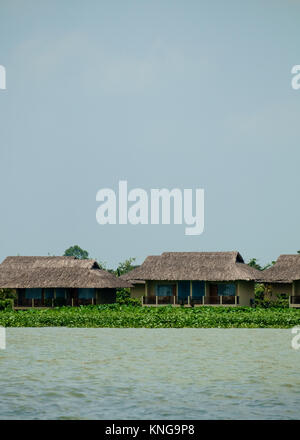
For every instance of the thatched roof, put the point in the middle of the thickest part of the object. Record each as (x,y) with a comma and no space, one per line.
(205,266)
(285,270)
(55,272)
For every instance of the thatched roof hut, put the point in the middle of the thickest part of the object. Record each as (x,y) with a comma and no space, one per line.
(205,266)
(285,270)
(55,272)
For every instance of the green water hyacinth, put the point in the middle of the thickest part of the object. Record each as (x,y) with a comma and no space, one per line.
(123,316)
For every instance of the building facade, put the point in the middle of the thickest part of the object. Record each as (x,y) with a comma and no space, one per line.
(194,278)
(283,278)
(57,281)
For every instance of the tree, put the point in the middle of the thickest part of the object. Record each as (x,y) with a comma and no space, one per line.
(76,251)
(253,263)
(260,289)
(125,267)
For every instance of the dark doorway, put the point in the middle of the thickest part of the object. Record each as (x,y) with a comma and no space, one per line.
(21,297)
(213,294)
(72,294)
(183,291)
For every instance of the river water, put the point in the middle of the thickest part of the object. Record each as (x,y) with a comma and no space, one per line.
(64,373)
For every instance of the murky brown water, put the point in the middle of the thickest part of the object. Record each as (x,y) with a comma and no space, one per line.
(64,373)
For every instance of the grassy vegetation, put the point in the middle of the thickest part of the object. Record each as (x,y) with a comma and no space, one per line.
(151,317)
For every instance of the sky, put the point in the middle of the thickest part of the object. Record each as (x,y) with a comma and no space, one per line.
(163,94)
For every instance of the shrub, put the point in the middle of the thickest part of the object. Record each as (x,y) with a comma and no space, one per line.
(264,299)
(123,298)
(281,302)
(6,304)
(136,302)
(8,294)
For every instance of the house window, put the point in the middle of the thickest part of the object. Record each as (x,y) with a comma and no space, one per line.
(49,293)
(226,290)
(183,289)
(60,293)
(33,293)
(198,289)
(86,293)
(164,289)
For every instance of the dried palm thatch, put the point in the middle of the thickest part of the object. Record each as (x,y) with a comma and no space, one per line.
(55,272)
(205,266)
(285,270)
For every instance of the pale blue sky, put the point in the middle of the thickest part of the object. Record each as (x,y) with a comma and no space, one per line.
(185,94)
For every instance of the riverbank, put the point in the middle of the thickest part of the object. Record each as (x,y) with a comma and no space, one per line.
(116,316)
